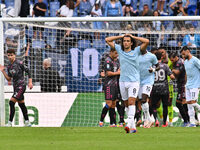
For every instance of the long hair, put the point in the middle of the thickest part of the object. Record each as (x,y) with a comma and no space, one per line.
(133,41)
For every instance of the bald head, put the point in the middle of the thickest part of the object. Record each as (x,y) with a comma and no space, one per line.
(46,63)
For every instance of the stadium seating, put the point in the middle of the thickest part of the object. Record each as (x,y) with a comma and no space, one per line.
(99,44)
(38,44)
(9,3)
(54,6)
(84,44)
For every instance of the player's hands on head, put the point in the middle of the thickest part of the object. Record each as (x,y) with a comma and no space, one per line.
(2,68)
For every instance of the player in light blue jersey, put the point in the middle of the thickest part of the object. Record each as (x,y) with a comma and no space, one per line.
(147,63)
(129,72)
(192,67)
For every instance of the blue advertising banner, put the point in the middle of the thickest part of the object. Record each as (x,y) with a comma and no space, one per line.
(79,68)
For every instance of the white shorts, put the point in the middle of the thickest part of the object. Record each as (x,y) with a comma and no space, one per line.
(129,89)
(192,94)
(144,89)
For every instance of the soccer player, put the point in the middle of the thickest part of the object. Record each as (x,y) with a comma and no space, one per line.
(16,71)
(160,88)
(111,86)
(129,72)
(179,72)
(192,68)
(165,59)
(147,61)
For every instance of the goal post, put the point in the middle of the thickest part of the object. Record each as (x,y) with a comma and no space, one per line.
(74,46)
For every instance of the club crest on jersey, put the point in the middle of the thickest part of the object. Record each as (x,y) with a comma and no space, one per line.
(108,66)
(12,71)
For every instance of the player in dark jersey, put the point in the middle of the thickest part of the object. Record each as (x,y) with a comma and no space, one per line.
(111,86)
(160,88)
(179,72)
(16,71)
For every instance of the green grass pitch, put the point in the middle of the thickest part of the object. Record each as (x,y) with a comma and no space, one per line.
(96,138)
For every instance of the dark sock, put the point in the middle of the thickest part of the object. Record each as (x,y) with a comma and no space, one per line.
(186,112)
(112,114)
(24,110)
(182,111)
(12,110)
(155,114)
(120,110)
(104,112)
(165,112)
(138,114)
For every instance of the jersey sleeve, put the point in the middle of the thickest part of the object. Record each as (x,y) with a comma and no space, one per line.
(197,63)
(137,50)
(25,68)
(168,70)
(9,74)
(154,60)
(118,48)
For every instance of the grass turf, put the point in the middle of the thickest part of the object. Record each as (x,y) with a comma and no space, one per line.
(92,138)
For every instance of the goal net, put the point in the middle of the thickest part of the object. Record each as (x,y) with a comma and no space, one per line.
(75,48)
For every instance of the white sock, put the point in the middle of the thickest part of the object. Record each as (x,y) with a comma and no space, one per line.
(197,106)
(145,108)
(131,115)
(191,113)
(126,110)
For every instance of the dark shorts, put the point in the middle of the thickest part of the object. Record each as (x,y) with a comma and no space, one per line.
(181,93)
(111,93)
(19,92)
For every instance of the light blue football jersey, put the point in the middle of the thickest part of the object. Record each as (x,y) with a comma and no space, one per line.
(129,64)
(146,61)
(192,68)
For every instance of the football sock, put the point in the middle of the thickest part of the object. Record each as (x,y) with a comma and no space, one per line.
(120,110)
(165,112)
(170,113)
(182,111)
(155,114)
(186,112)
(191,113)
(197,106)
(145,108)
(160,112)
(131,115)
(12,110)
(112,115)
(24,110)
(104,112)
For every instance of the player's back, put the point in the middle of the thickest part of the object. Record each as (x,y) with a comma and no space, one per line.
(179,65)
(161,83)
(146,61)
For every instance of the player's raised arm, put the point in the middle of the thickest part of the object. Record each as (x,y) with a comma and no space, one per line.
(110,40)
(145,42)
(2,69)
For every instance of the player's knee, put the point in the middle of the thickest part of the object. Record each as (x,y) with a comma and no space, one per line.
(21,105)
(11,103)
(108,105)
(131,101)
